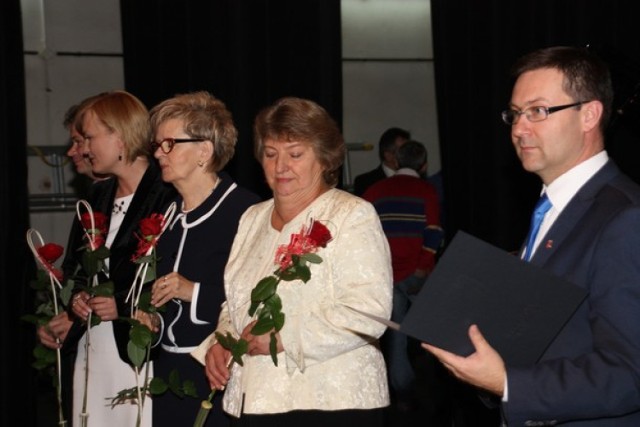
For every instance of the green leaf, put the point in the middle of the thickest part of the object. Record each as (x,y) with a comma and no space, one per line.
(45,309)
(90,263)
(157,386)
(226,341)
(312,258)
(295,272)
(273,304)
(189,388)
(147,259)
(144,303)
(278,320)
(262,326)
(44,353)
(31,318)
(41,282)
(237,347)
(103,289)
(254,306)
(273,348)
(67,292)
(265,288)
(239,350)
(150,275)
(95,320)
(174,383)
(174,378)
(140,335)
(101,253)
(136,354)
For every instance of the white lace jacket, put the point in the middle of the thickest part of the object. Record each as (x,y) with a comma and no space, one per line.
(332,359)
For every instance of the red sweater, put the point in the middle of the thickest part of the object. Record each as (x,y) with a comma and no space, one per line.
(409,211)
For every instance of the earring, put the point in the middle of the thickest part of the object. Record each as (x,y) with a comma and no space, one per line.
(200,163)
(120,157)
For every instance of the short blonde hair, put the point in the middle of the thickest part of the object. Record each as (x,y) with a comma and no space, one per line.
(204,116)
(124,114)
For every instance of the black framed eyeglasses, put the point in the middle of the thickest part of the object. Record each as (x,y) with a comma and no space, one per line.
(166,145)
(535,113)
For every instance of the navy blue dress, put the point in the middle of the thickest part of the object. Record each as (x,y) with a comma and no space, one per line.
(210,229)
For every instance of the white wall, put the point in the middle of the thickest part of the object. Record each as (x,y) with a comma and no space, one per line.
(73,49)
(388,77)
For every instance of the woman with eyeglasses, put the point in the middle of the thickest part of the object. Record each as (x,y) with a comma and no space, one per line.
(194,138)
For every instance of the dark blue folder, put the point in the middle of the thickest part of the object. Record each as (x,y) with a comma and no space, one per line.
(518,306)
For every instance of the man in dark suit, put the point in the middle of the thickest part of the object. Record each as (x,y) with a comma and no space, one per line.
(389,143)
(590,374)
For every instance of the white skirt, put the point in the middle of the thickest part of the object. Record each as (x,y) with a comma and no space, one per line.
(108,375)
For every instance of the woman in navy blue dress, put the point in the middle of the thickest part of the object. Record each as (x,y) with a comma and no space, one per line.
(194,138)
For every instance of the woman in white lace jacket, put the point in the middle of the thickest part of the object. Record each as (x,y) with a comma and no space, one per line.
(330,370)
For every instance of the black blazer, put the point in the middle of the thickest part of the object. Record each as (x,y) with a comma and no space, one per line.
(151,196)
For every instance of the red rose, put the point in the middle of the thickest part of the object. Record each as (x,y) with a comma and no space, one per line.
(99,221)
(99,241)
(50,252)
(319,234)
(57,273)
(85,220)
(151,226)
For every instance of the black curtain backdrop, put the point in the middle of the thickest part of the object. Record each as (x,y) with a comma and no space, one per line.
(18,387)
(475,43)
(248,53)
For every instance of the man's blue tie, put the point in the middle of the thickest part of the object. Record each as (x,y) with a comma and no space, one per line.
(541,209)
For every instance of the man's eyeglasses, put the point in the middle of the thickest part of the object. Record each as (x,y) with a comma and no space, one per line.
(166,145)
(534,113)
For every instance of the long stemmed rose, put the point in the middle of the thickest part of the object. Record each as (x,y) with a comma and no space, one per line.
(94,225)
(46,255)
(292,262)
(140,335)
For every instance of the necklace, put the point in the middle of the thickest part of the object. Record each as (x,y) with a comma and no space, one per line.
(182,208)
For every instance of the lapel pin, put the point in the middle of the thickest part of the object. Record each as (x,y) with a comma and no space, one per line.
(549,244)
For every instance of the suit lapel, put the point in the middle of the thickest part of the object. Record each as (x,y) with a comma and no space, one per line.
(573,213)
(144,196)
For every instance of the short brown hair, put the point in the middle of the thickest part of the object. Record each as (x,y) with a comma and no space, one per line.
(586,76)
(297,119)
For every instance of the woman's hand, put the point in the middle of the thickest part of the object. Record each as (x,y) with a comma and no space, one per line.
(150,320)
(54,333)
(259,344)
(105,307)
(80,305)
(217,363)
(173,285)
